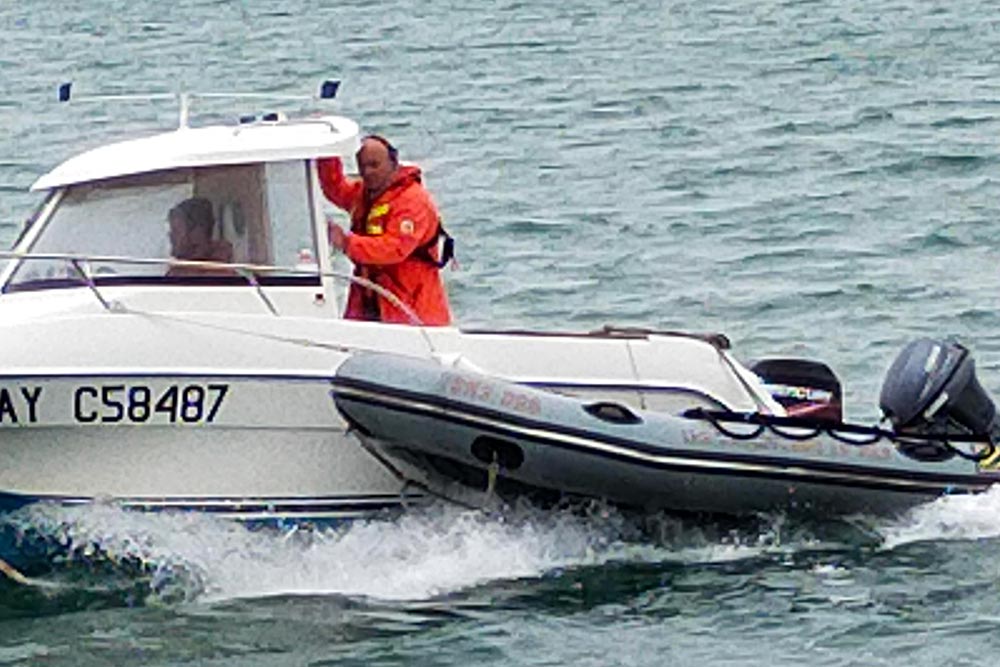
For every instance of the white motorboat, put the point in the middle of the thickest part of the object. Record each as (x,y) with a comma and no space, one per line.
(218,387)
(122,378)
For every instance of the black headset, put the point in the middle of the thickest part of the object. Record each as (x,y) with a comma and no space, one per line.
(393,153)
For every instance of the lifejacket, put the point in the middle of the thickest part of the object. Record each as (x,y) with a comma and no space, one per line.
(430,305)
(447,248)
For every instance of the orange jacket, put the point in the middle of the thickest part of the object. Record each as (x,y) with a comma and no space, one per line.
(385,233)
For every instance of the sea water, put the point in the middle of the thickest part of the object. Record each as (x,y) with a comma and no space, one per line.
(814,179)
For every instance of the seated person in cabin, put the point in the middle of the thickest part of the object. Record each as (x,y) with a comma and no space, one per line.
(192,224)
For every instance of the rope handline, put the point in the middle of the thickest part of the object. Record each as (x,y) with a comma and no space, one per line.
(922,446)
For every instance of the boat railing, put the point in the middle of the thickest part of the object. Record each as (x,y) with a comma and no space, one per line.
(327,91)
(80,265)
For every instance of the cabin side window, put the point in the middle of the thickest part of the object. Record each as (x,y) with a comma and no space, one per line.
(289,207)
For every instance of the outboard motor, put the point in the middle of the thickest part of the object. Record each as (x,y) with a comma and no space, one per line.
(931,389)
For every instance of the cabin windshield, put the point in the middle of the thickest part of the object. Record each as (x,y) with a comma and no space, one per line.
(248,214)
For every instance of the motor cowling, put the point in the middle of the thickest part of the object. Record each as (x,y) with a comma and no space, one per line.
(931,389)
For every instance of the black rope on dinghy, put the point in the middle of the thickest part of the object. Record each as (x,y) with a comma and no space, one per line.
(806,435)
(713,418)
(929,447)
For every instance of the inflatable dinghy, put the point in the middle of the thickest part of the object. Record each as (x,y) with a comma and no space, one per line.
(455,425)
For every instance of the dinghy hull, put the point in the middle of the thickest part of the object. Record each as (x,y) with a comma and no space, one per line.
(451,423)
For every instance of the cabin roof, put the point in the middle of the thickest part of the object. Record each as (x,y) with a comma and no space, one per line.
(260,141)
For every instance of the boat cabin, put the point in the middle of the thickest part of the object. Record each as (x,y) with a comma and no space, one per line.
(106,218)
(102,242)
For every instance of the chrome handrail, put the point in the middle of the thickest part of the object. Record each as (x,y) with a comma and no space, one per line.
(246,270)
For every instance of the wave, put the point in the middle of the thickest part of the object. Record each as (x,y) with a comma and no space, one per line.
(940,162)
(113,557)
(950,518)
(940,238)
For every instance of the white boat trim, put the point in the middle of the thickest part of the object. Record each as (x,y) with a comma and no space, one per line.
(306,139)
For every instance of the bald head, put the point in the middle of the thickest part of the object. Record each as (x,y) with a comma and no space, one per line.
(377,165)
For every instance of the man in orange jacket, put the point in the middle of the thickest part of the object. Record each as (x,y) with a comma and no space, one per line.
(393,239)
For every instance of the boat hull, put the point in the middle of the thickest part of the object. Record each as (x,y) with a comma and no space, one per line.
(250,447)
(216,398)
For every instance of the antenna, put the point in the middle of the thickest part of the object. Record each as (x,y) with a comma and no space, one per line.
(327,91)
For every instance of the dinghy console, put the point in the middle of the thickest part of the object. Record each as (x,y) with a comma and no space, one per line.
(805,388)
(931,389)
